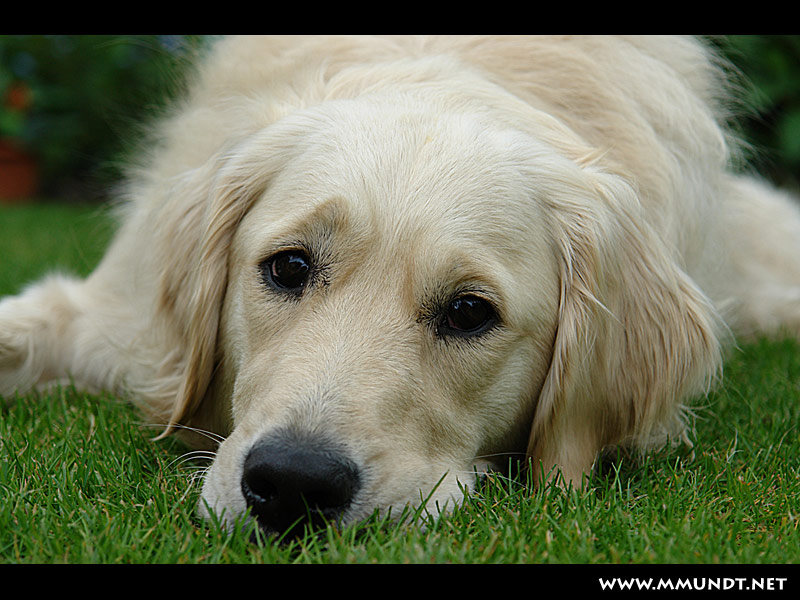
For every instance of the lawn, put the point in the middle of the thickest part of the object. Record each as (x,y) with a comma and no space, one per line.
(82,482)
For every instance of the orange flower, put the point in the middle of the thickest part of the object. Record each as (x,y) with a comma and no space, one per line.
(18,97)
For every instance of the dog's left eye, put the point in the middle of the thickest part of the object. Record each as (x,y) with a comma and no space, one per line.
(287,271)
(467,316)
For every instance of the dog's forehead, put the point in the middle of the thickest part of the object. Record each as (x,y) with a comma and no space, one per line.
(407,171)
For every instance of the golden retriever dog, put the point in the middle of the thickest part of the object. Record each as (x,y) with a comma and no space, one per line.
(375,266)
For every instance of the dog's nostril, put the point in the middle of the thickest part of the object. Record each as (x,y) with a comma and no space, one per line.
(258,490)
(289,481)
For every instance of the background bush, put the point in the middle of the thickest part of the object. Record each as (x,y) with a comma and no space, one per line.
(85,97)
(87,93)
(771,65)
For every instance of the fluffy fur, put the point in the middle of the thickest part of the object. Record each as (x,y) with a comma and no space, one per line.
(582,185)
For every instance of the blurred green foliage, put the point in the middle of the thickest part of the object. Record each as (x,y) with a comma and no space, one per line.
(75,100)
(770,66)
(85,95)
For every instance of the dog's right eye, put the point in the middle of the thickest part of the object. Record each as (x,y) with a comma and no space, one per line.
(467,316)
(287,271)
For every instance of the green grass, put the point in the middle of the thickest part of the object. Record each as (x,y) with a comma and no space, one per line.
(36,239)
(81,481)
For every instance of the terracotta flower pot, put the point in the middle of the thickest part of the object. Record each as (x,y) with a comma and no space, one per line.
(18,174)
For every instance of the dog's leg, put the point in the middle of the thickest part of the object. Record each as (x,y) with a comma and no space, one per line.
(761,286)
(51,332)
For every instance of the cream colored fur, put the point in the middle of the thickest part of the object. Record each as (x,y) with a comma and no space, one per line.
(582,183)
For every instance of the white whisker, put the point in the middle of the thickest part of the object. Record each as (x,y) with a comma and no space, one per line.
(193,455)
(501,455)
(204,432)
(198,475)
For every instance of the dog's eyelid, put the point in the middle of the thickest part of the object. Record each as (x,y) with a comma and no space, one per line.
(483,292)
(289,246)
(478,292)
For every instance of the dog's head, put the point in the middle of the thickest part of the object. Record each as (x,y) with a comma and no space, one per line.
(388,297)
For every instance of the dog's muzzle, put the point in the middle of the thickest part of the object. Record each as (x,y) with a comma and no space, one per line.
(292,480)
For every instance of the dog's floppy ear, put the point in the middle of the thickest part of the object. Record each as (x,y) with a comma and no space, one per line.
(211,200)
(635,335)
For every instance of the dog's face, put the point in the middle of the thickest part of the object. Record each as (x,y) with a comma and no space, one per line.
(392,295)
(388,321)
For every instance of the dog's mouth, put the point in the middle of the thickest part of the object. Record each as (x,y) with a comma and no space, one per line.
(298,484)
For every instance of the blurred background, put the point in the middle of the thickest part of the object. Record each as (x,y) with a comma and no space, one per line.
(71,106)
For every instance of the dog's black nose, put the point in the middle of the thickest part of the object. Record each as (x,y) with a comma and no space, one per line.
(290,480)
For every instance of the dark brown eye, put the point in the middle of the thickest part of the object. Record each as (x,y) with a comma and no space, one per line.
(287,271)
(467,316)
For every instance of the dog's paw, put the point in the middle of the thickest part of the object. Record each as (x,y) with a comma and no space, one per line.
(16,343)
(13,357)
(31,326)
